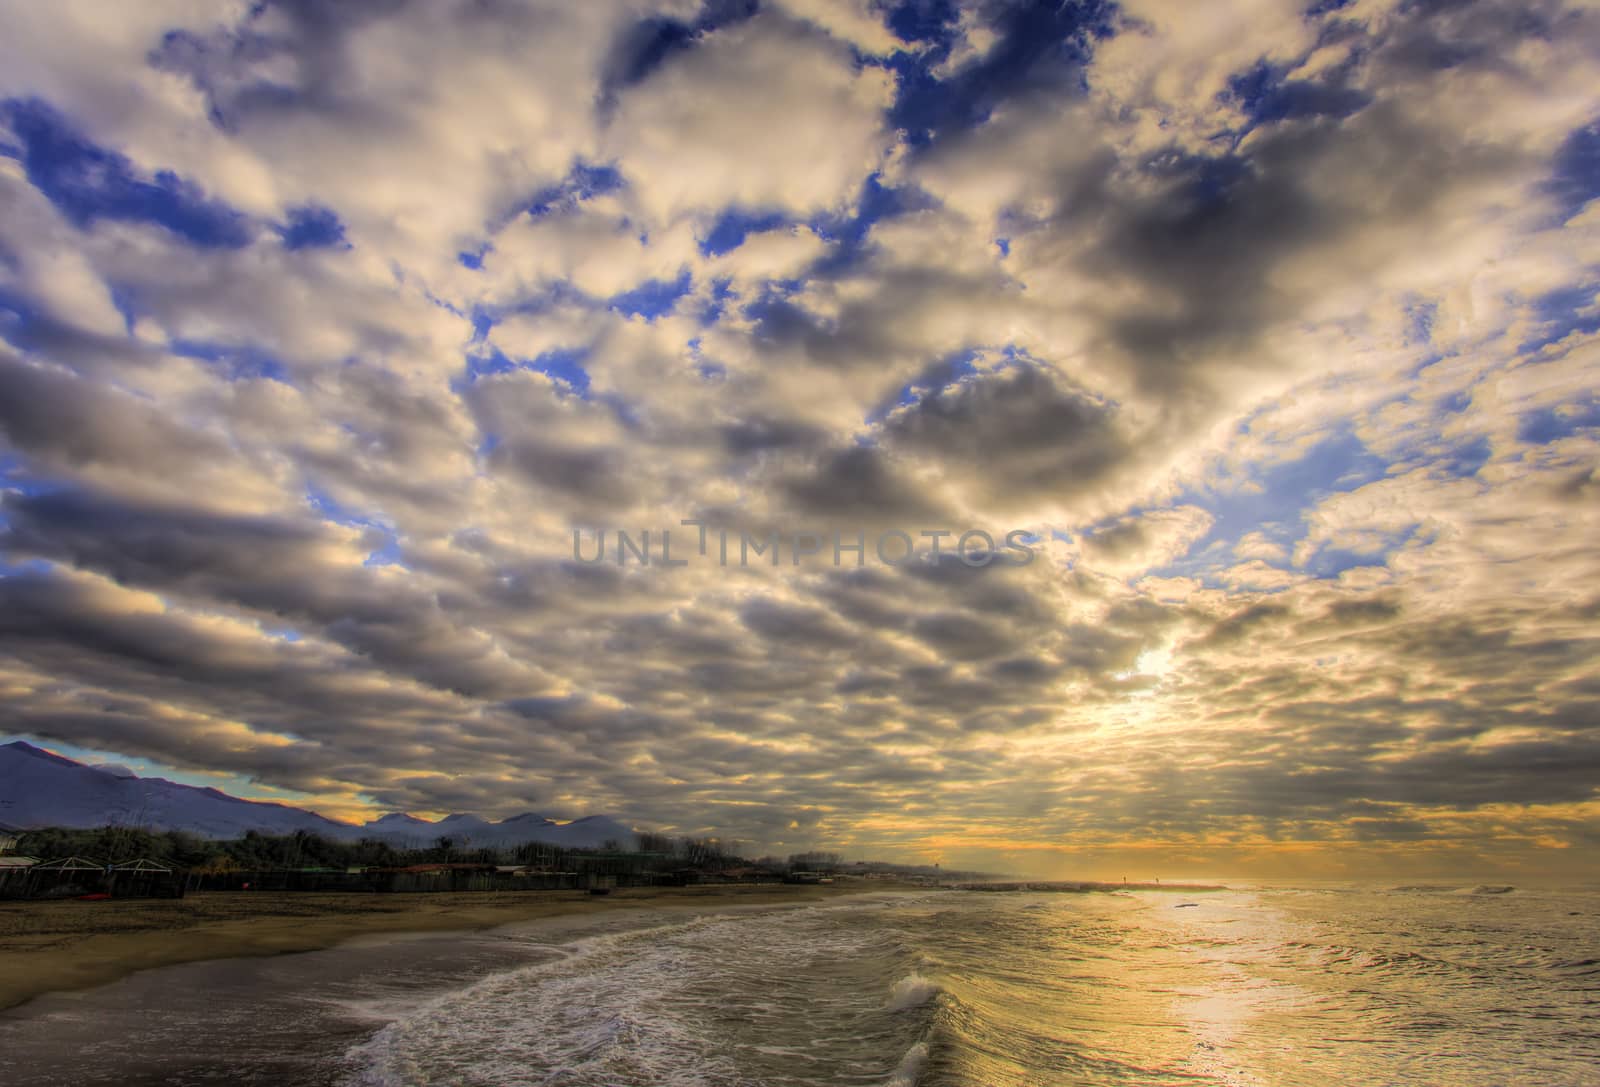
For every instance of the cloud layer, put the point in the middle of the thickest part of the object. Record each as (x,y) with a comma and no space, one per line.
(324,329)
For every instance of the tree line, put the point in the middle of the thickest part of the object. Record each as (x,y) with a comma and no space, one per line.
(302,849)
(255,852)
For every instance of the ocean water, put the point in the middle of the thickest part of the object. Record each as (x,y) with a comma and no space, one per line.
(1280,987)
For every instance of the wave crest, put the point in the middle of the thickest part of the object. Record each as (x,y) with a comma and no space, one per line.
(911,991)
(910,1067)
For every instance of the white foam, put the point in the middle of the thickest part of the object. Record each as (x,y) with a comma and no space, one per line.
(910,1067)
(651,1005)
(910,991)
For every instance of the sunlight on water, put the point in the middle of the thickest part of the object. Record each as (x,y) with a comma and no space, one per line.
(1245,989)
(1267,987)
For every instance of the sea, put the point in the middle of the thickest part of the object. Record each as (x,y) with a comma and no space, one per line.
(1252,986)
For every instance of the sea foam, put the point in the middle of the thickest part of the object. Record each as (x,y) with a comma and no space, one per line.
(910,991)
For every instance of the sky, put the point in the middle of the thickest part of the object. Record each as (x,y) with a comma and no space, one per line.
(1245,352)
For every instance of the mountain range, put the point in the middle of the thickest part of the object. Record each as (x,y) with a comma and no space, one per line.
(39,788)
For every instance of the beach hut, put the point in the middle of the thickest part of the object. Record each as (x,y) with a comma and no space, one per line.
(145,878)
(143,864)
(66,877)
(14,874)
(72,864)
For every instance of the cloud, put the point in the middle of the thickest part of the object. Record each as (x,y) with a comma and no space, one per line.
(852,21)
(1272,330)
(761,115)
(1016,439)
(1138,542)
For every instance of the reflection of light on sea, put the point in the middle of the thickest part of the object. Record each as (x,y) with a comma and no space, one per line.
(1322,986)
(1235,942)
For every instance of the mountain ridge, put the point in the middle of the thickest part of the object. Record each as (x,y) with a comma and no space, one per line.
(39,788)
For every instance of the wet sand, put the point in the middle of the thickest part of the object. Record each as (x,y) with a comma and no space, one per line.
(63,945)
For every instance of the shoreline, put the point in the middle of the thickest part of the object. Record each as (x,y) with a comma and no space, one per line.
(65,945)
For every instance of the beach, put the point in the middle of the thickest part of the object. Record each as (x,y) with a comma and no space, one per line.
(65,945)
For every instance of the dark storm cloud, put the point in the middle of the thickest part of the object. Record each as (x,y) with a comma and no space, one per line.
(1201,236)
(1013,437)
(861,483)
(778,623)
(964,637)
(67,422)
(1243,624)
(594,474)
(273,566)
(758,435)
(315,36)
(1117,540)
(166,545)
(1207,239)
(575,448)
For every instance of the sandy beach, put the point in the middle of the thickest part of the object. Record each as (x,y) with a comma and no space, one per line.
(62,945)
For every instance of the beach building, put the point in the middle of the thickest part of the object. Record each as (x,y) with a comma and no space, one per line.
(63,877)
(86,877)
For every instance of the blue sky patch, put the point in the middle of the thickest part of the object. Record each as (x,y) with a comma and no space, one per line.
(1041,47)
(1553,424)
(237,362)
(733,226)
(1330,562)
(721,294)
(1420,316)
(1265,94)
(313,227)
(847,234)
(1562,312)
(653,298)
(1576,179)
(1463,459)
(583,182)
(564,365)
(652,41)
(20,322)
(88,183)
(387,551)
(16,475)
(925,22)
(1274,507)
(933,380)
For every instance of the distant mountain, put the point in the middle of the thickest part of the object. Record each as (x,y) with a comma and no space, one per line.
(39,788)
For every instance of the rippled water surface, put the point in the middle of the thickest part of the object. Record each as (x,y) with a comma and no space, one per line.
(1294,987)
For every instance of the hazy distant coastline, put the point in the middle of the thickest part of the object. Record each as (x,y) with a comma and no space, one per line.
(1084,886)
